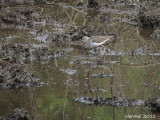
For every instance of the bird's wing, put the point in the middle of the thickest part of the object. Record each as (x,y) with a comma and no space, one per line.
(99,39)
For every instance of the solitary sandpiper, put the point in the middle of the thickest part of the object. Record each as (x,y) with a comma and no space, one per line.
(95,41)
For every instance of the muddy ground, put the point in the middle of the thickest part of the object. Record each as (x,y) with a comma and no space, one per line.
(15,57)
(14,73)
(14,63)
(146,16)
(17,114)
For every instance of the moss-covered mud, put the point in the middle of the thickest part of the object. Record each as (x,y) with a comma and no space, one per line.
(43,58)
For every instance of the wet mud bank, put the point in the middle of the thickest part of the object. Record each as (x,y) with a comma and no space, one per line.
(17,114)
(153,104)
(109,101)
(24,1)
(14,72)
(148,15)
(15,63)
(24,17)
(15,58)
(144,14)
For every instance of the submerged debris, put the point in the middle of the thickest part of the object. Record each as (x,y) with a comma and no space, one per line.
(109,101)
(17,114)
(153,104)
(44,53)
(101,75)
(93,3)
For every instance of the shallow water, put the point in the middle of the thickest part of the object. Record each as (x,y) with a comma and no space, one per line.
(130,69)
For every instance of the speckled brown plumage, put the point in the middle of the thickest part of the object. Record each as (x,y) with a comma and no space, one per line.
(99,39)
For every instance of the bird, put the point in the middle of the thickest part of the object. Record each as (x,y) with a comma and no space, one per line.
(95,41)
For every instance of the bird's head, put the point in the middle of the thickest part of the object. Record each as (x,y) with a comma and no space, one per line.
(112,34)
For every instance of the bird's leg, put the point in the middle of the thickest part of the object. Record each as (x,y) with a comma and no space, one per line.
(96,51)
(104,49)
